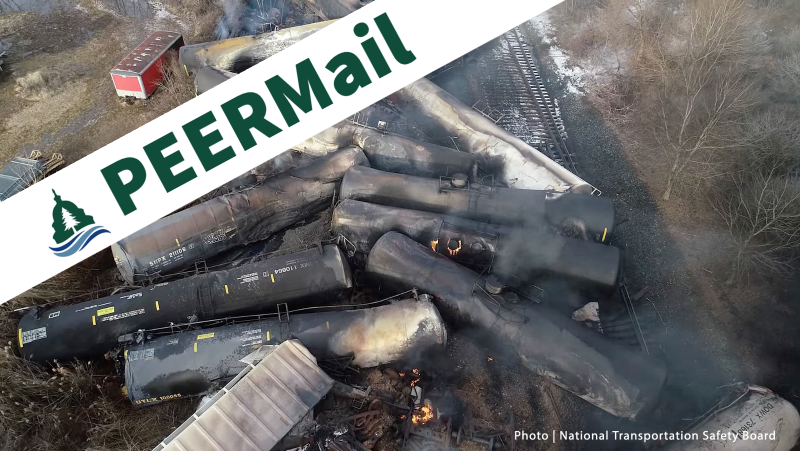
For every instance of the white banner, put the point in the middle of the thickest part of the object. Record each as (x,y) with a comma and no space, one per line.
(73,214)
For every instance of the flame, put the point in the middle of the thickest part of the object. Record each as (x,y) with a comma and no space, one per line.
(403,417)
(455,251)
(416,373)
(489,359)
(424,414)
(402,374)
(434,244)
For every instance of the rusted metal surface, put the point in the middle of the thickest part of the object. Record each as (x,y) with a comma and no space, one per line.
(139,74)
(179,240)
(583,362)
(365,422)
(148,52)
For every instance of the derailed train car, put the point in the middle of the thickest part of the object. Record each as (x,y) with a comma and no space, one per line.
(90,329)
(385,151)
(613,378)
(590,217)
(210,77)
(195,362)
(179,240)
(517,164)
(750,418)
(391,152)
(239,54)
(515,254)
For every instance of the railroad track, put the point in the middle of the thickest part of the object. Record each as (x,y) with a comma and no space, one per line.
(533,96)
(548,135)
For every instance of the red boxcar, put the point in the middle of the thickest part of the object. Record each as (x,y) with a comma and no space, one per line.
(139,73)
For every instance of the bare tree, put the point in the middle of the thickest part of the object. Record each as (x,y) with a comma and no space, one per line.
(763,217)
(702,74)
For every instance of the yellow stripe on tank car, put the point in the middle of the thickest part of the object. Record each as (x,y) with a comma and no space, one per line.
(195,346)
(226,289)
(157,309)
(94,321)
(267,336)
(20,338)
(602,240)
(272,278)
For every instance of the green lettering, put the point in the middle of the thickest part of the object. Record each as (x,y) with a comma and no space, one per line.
(392,39)
(122,191)
(352,68)
(257,120)
(163,164)
(282,93)
(202,143)
(373,52)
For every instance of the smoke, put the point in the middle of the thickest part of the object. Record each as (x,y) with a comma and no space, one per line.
(249,17)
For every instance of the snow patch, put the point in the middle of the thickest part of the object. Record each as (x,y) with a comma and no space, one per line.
(102,7)
(543,27)
(163,15)
(570,75)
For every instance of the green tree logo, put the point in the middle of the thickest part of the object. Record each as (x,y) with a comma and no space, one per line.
(68,219)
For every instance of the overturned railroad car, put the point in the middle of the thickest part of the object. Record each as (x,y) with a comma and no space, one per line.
(385,151)
(750,418)
(613,378)
(586,216)
(518,254)
(92,328)
(239,54)
(177,241)
(516,163)
(391,152)
(210,77)
(195,362)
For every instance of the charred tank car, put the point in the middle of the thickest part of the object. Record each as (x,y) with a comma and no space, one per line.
(614,378)
(241,53)
(194,362)
(514,162)
(586,216)
(177,241)
(759,420)
(90,329)
(513,254)
(391,152)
